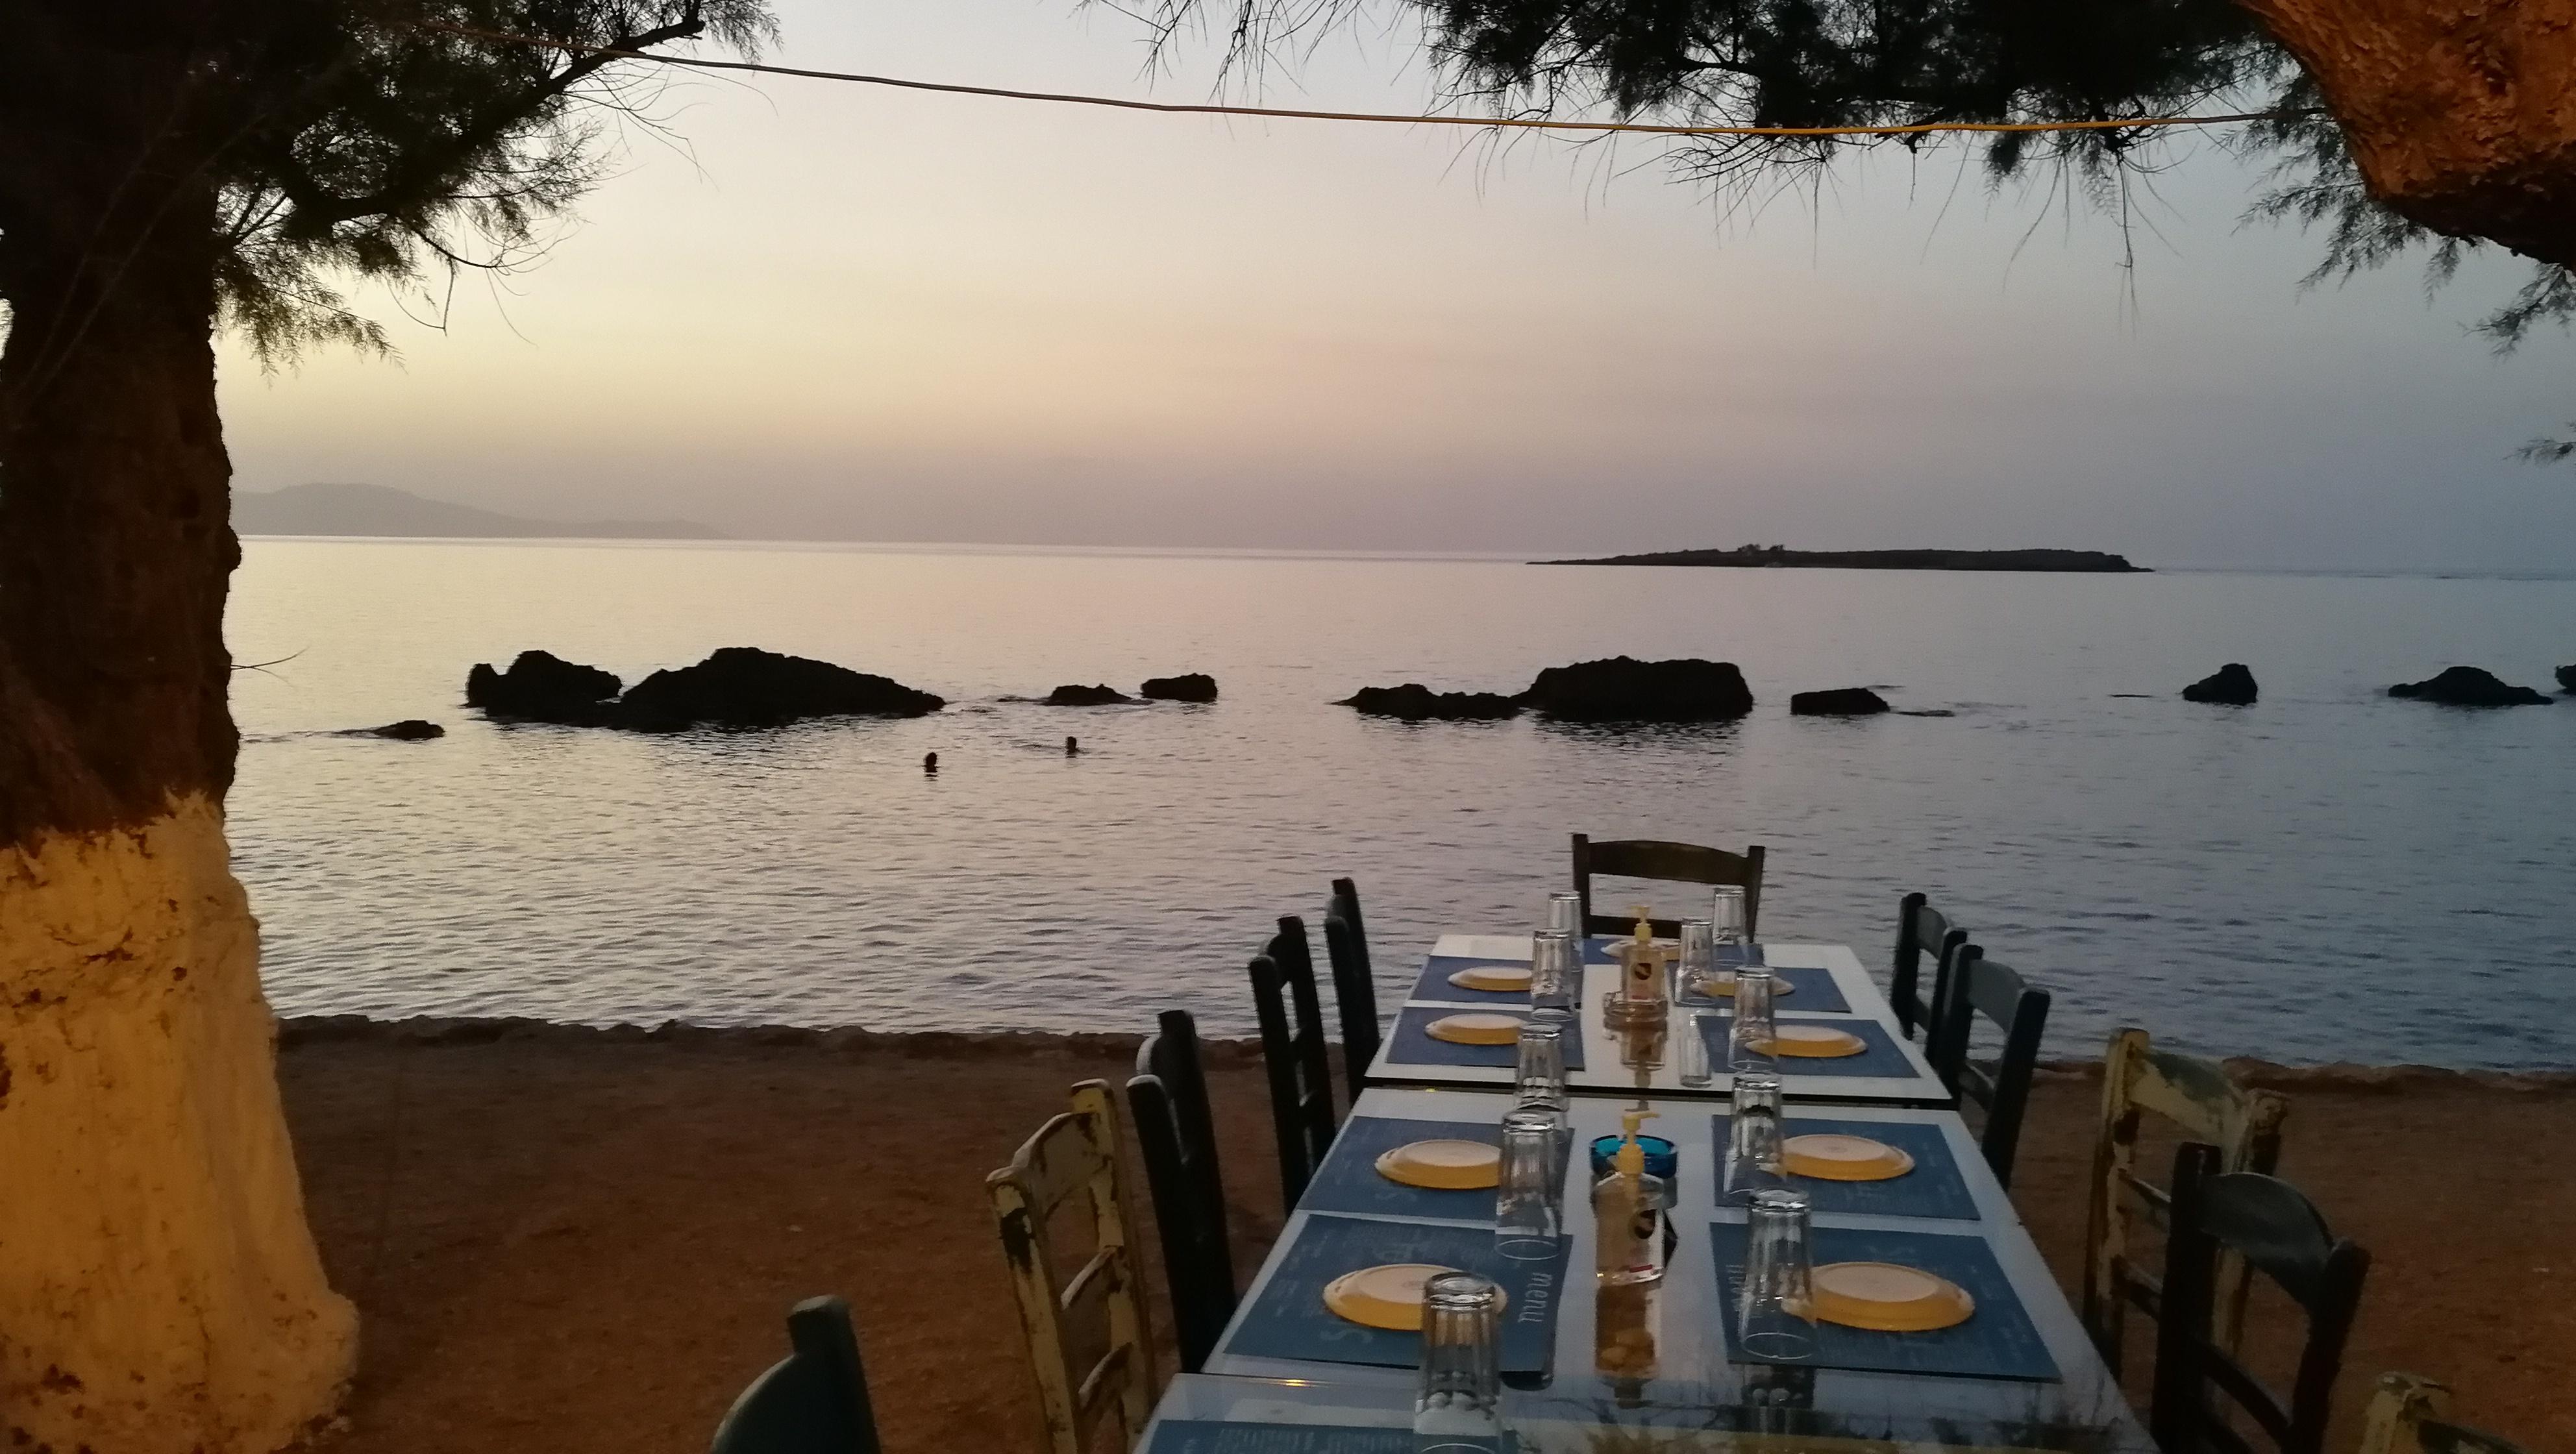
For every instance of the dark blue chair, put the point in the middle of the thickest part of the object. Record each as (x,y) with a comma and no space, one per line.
(1176,1136)
(1354,985)
(814,1401)
(1294,1053)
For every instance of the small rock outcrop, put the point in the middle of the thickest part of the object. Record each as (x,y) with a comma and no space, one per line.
(744,686)
(1195,686)
(410,729)
(1415,702)
(2230,686)
(1080,696)
(2468,686)
(1623,689)
(543,687)
(1839,702)
(2567,680)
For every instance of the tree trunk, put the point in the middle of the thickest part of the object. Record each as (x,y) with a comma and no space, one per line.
(159,1289)
(2461,113)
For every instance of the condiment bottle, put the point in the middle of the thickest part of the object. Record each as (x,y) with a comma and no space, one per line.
(1642,989)
(1628,1213)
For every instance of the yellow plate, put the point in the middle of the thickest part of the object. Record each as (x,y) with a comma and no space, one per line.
(1720,985)
(1887,1298)
(1828,1156)
(1387,1297)
(1443,1165)
(1476,1029)
(1491,977)
(1816,1042)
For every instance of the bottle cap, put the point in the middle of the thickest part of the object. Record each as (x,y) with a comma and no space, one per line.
(1631,1159)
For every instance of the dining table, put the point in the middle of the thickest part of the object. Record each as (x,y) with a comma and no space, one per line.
(1605,1368)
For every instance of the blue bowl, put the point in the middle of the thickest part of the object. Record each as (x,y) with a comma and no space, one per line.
(1662,1157)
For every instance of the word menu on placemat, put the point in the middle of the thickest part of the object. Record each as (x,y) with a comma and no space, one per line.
(1289,1319)
(1934,1188)
(1349,1180)
(1997,1341)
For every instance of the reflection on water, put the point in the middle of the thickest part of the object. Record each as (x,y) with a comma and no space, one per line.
(2326,875)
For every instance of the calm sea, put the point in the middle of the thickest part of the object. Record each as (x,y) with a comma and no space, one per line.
(2329,875)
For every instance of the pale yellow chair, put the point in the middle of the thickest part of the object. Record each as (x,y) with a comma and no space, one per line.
(1087,1339)
(2411,1415)
(2200,1098)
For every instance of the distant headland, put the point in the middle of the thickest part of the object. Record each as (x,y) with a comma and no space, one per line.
(354,509)
(1781,555)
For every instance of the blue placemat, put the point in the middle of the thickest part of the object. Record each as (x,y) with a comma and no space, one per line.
(1934,1188)
(1998,1341)
(1812,991)
(1410,1044)
(1879,1057)
(1289,1319)
(1348,1181)
(1434,983)
(1207,1436)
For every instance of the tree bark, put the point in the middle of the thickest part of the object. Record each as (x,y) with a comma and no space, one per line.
(2461,113)
(159,1288)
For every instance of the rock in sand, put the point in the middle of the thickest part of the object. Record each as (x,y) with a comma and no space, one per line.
(543,687)
(2468,686)
(1623,689)
(1840,702)
(2230,686)
(1415,702)
(1081,696)
(1195,686)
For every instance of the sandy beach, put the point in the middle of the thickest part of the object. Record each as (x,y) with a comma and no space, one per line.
(580,1240)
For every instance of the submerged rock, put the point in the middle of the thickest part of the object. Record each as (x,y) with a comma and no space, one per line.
(1415,702)
(1080,696)
(1623,689)
(543,687)
(1839,702)
(2468,686)
(1195,686)
(743,686)
(410,729)
(2567,680)
(2231,686)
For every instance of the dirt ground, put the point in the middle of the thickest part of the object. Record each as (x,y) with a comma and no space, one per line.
(578,1241)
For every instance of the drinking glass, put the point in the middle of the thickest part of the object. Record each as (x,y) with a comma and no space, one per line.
(1777,1317)
(1529,1207)
(1565,914)
(1754,1159)
(1539,1079)
(1698,957)
(1755,1031)
(1459,1403)
(1726,915)
(1690,1052)
(1556,972)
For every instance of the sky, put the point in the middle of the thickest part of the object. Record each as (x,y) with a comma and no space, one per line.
(822,311)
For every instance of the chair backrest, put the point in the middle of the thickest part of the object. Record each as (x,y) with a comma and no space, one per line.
(1920,929)
(1101,1306)
(2197,1097)
(1686,863)
(813,1401)
(1176,1135)
(2279,1233)
(1354,986)
(2411,1415)
(1293,1051)
(1982,987)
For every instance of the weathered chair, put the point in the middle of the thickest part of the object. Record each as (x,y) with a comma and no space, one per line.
(1920,929)
(1176,1134)
(2198,1097)
(1983,987)
(1099,1312)
(813,1401)
(1294,1053)
(1672,862)
(2279,1234)
(2411,1415)
(1354,986)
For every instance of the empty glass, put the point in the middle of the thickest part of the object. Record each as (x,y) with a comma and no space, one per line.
(1697,959)
(1755,1032)
(1726,916)
(1690,1051)
(1753,1155)
(1529,1200)
(1776,1318)
(1565,914)
(1459,1403)
(1556,972)
(1539,1079)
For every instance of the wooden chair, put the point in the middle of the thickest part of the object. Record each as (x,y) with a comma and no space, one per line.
(1075,1156)
(2411,1415)
(1920,928)
(1673,862)
(1293,1051)
(2280,1235)
(813,1401)
(1354,986)
(1168,1102)
(2197,1096)
(1983,987)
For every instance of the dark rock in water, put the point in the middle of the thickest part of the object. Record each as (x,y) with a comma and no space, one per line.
(1415,702)
(1840,702)
(1196,686)
(2230,686)
(2567,679)
(410,729)
(1623,689)
(1079,696)
(2468,686)
(743,686)
(1926,712)
(543,687)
